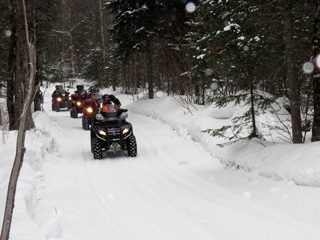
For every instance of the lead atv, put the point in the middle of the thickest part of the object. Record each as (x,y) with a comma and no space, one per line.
(110,131)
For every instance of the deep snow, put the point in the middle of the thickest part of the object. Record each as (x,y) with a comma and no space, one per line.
(180,186)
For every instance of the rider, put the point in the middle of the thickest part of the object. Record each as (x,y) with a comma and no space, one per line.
(59,89)
(109,104)
(80,90)
(95,93)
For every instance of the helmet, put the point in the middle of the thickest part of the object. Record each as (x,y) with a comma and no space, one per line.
(94,88)
(106,99)
(80,87)
(95,95)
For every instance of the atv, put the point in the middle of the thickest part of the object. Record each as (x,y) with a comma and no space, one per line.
(110,131)
(89,108)
(61,100)
(76,104)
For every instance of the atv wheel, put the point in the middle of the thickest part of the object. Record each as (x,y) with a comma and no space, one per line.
(53,107)
(91,140)
(57,107)
(75,112)
(132,146)
(85,123)
(97,148)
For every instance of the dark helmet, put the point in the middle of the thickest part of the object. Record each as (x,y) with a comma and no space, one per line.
(94,88)
(80,87)
(80,90)
(95,95)
(106,99)
(59,88)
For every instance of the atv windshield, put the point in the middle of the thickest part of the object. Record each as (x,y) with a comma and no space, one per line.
(95,95)
(109,110)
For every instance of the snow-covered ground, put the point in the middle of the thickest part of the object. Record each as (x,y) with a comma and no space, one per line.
(181,186)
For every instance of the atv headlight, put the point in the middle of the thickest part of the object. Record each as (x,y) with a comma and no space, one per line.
(124,115)
(90,110)
(126,130)
(59,99)
(103,133)
(78,104)
(99,117)
(70,98)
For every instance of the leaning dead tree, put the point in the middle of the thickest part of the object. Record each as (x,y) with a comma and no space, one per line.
(20,146)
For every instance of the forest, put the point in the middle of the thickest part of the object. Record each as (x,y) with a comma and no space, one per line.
(249,52)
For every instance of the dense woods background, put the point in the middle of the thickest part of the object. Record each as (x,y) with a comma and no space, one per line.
(247,47)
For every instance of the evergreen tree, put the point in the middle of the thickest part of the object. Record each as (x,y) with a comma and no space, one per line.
(93,70)
(245,46)
(140,26)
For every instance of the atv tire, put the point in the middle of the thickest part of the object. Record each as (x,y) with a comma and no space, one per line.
(73,112)
(53,107)
(91,140)
(97,148)
(85,123)
(132,146)
(57,107)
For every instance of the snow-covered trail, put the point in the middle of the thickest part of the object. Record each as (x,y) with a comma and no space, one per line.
(153,196)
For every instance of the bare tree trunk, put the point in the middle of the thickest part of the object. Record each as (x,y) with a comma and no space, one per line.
(20,147)
(63,56)
(316,77)
(136,75)
(68,5)
(12,65)
(73,63)
(292,76)
(253,115)
(149,70)
(104,44)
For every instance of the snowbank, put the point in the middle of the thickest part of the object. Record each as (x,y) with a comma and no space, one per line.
(39,144)
(279,161)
